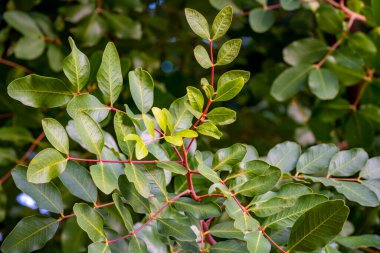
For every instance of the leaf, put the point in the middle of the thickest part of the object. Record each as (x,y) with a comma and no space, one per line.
(303,51)
(77,180)
(72,237)
(22,22)
(141,85)
(89,132)
(329,19)
(316,159)
(229,246)
(56,134)
(199,210)
(232,75)
(175,140)
(208,173)
(226,230)
(246,223)
(359,241)
(371,169)
(38,91)
(161,118)
(132,197)
(149,124)
(7,156)
(290,82)
(123,211)
(257,243)
(315,228)
(195,98)
(221,116)
(123,127)
(29,47)
(137,245)
(375,6)
(348,162)
(30,234)
(180,117)
(47,195)
(284,155)
(225,158)
(172,167)
(370,112)
(261,20)
(323,83)
(170,227)
(89,104)
(228,52)
(229,90)
(99,247)
(363,130)
(16,134)
(373,185)
(202,57)
(90,220)
(76,67)
(222,22)
(110,79)
(45,166)
(290,5)
(198,23)
(55,57)
(287,217)
(358,193)
(138,178)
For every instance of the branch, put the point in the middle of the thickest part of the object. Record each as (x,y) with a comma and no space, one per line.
(6,115)
(15,65)
(63,217)
(116,161)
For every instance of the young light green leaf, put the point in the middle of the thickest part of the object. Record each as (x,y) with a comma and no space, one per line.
(39,91)
(284,155)
(229,90)
(209,129)
(47,196)
(228,51)
(290,81)
(89,104)
(141,85)
(78,182)
(89,132)
(123,211)
(323,83)
(257,243)
(348,162)
(149,124)
(76,67)
(181,117)
(198,23)
(315,228)
(45,166)
(304,51)
(138,178)
(160,117)
(174,139)
(261,20)
(208,89)
(90,220)
(202,57)
(222,22)
(29,47)
(232,75)
(195,98)
(123,127)
(22,22)
(110,79)
(56,134)
(170,227)
(222,116)
(30,234)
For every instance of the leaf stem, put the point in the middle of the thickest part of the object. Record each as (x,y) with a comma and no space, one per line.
(116,161)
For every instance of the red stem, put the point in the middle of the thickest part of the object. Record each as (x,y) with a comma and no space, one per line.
(152,217)
(116,161)
(15,65)
(6,115)
(208,238)
(63,217)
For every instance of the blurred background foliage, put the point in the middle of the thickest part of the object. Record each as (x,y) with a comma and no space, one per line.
(277,36)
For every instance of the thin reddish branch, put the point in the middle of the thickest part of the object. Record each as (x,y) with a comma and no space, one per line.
(330,51)
(297,176)
(116,161)
(208,237)
(52,40)
(15,65)
(6,115)
(151,218)
(63,217)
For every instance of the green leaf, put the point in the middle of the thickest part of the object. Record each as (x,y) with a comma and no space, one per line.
(132,197)
(316,159)
(228,51)
(123,211)
(226,230)
(172,167)
(229,246)
(222,22)
(358,193)
(229,90)
(141,85)
(171,227)
(288,217)
(261,20)
(246,223)
(225,158)
(198,23)
(202,57)
(363,129)
(303,51)
(22,22)
(370,112)
(137,245)
(149,124)
(284,155)
(18,135)
(99,247)
(199,210)
(90,220)
(175,140)
(359,241)
(257,243)
(7,156)
(138,178)
(123,127)
(30,234)
(329,19)
(375,6)
(348,162)
(222,116)
(362,44)
(290,5)
(319,225)
(370,170)
(45,166)
(72,237)
(110,79)
(373,185)
(323,83)
(290,82)
(232,75)
(55,57)
(76,67)
(56,134)
(195,98)
(47,196)
(89,104)
(89,132)
(123,26)
(208,173)
(29,47)
(180,117)
(38,91)
(161,118)
(77,180)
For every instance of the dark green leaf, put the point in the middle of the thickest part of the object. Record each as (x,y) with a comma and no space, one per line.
(323,83)
(261,20)
(170,227)
(90,220)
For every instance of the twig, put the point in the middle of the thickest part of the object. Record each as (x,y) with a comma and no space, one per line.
(15,65)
